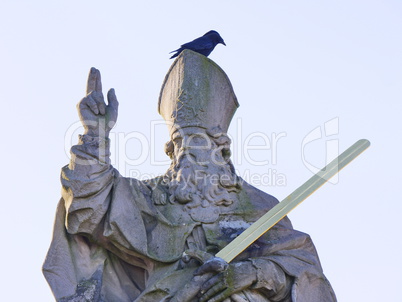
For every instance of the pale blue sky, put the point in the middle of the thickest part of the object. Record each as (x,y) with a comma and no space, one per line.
(294,65)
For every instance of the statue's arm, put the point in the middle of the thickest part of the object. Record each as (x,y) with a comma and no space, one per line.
(281,260)
(257,273)
(88,179)
(286,263)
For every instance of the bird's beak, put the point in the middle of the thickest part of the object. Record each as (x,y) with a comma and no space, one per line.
(223,42)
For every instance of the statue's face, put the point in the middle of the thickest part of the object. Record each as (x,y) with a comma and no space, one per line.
(195,143)
(200,173)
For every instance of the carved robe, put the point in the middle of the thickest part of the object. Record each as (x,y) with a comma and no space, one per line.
(115,241)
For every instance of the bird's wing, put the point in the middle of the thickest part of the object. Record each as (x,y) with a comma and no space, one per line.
(198,44)
(202,44)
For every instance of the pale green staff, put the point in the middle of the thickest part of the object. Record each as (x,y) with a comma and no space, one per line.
(262,225)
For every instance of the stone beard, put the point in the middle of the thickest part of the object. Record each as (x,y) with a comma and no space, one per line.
(201,176)
(201,172)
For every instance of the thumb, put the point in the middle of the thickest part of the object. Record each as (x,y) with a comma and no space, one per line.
(112,99)
(215,265)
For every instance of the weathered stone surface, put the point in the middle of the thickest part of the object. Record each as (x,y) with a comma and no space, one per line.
(197,92)
(120,239)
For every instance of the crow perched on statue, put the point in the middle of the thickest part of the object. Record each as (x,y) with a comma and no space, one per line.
(203,45)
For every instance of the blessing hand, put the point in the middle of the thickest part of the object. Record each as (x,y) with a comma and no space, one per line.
(97,117)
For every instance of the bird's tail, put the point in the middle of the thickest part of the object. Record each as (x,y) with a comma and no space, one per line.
(177,52)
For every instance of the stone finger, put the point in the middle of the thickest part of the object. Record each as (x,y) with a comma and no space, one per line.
(102,108)
(222,296)
(112,99)
(94,80)
(212,292)
(88,102)
(98,98)
(217,279)
(215,265)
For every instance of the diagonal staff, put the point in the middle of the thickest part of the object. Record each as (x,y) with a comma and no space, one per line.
(262,225)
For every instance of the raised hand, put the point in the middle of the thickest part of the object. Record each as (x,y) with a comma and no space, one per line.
(97,117)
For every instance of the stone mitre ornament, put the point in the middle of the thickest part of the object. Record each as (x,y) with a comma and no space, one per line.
(196,92)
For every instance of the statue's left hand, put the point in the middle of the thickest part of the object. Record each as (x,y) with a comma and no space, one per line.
(235,278)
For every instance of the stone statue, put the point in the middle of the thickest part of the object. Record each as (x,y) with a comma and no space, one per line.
(121,239)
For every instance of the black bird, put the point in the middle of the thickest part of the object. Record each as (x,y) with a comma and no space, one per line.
(203,45)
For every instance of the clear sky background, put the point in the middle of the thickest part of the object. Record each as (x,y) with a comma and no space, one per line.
(295,66)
